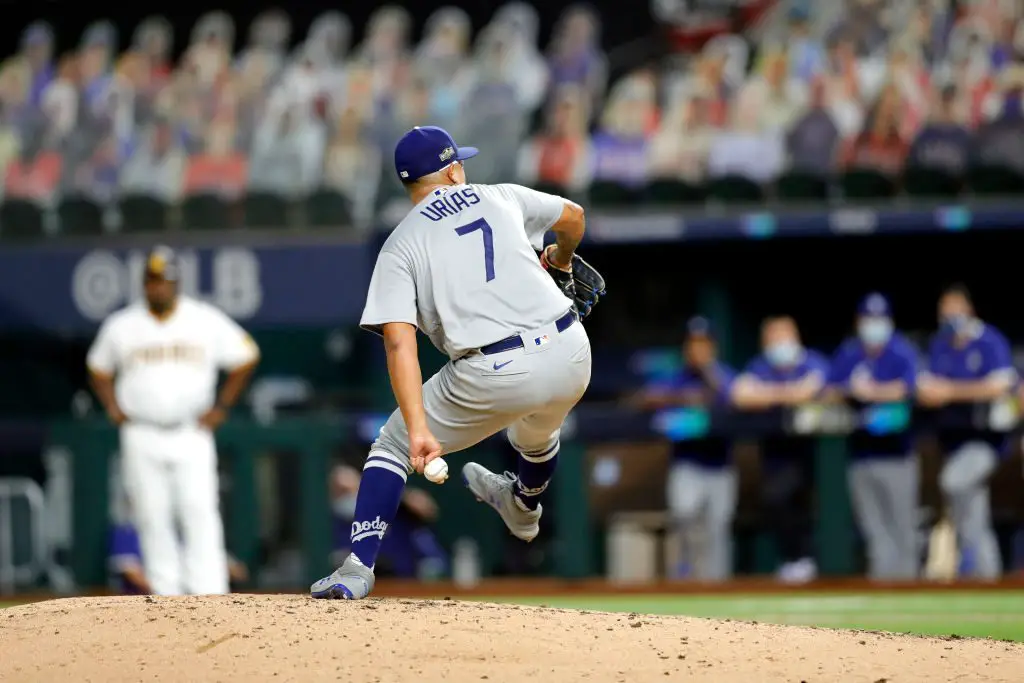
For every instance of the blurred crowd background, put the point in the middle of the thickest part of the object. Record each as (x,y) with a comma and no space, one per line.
(850,98)
(842,113)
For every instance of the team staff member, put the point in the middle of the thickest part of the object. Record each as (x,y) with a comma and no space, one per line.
(154,367)
(879,366)
(701,491)
(969,362)
(785,375)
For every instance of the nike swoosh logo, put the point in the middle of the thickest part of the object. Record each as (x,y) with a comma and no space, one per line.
(499,366)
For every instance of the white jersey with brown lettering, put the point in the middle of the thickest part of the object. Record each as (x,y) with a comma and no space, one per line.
(166,369)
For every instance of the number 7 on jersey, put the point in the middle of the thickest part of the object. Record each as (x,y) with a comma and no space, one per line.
(482,225)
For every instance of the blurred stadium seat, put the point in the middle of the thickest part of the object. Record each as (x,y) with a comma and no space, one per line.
(265,210)
(867,183)
(205,212)
(919,181)
(328,209)
(605,193)
(671,192)
(993,179)
(143,213)
(735,189)
(802,186)
(20,218)
(80,216)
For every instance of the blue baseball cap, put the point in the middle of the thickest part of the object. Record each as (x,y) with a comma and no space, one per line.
(876,305)
(699,326)
(38,33)
(425,150)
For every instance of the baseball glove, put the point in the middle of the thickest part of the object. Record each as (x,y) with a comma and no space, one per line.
(580,281)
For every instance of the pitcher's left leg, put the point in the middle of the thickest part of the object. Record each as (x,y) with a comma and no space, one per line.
(536,464)
(557,380)
(516,497)
(205,565)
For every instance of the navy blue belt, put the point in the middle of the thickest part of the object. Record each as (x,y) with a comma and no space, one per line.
(516,341)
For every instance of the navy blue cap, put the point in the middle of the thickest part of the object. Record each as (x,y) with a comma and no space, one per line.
(38,32)
(699,326)
(876,305)
(425,150)
(162,262)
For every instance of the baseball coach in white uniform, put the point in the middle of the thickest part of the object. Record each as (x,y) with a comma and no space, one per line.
(154,366)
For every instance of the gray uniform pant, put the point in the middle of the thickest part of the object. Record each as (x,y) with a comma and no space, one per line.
(529,390)
(964,482)
(702,502)
(884,497)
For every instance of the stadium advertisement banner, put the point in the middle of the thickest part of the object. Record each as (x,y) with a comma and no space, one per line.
(73,289)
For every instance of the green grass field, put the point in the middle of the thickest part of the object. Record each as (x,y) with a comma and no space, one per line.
(982,614)
(992,614)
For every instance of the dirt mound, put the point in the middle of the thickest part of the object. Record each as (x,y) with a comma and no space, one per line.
(293,638)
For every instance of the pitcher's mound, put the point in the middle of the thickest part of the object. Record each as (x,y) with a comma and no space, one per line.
(278,638)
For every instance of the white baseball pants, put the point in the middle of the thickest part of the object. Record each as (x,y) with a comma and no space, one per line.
(170,477)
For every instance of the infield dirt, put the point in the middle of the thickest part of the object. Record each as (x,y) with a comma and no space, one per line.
(293,638)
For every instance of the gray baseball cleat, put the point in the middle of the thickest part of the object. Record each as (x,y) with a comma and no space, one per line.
(496,491)
(351,581)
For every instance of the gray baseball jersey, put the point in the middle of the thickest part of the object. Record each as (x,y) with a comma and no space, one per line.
(461,267)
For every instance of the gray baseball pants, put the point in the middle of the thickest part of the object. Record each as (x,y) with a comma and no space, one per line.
(884,495)
(702,502)
(528,390)
(964,482)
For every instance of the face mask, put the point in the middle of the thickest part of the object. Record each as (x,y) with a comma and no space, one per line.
(344,507)
(875,331)
(783,354)
(956,324)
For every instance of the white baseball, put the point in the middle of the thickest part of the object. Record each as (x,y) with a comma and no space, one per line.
(436,471)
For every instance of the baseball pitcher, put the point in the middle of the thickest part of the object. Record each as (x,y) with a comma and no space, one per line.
(462,267)
(154,367)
